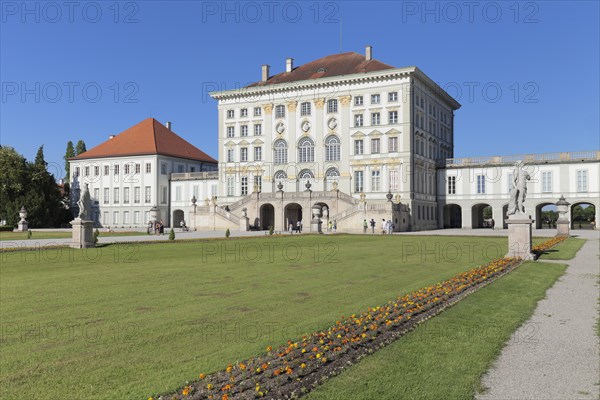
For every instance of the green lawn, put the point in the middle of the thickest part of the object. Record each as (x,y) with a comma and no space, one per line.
(142,319)
(446,357)
(57,235)
(562,251)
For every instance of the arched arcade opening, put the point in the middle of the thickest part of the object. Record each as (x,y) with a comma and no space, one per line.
(452,214)
(583,216)
(481,216)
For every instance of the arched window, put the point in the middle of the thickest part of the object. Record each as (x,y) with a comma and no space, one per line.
(331,175)
(332,106)
(280,175)
(306,150)
(332,148)
(280,149)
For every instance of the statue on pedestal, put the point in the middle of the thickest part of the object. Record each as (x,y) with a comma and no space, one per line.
(518,191)
(85,204)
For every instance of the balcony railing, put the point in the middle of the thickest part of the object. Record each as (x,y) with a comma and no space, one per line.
(182,176)
(528,158)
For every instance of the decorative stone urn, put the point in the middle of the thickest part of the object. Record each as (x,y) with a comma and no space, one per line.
(308,185)
(315,223)
(280,187)
(562,224)
(23,225)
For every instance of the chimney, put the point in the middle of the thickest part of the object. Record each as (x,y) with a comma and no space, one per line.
(369,53)
(111,136)
(265,72)
(169,125)
(289,64)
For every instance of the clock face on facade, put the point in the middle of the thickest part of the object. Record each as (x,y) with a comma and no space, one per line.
(332,123)
(306,126)
(280,128)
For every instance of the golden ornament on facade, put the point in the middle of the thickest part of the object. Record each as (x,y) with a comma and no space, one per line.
(268,108)
(345,100)
(292,106)
(319,103)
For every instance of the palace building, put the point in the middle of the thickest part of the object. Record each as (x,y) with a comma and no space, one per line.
(343,138)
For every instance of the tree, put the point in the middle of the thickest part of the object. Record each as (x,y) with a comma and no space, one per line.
(69,153)
(80,148)
(29,184)
(487,212)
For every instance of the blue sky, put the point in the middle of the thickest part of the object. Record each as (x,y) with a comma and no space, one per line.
(526,73)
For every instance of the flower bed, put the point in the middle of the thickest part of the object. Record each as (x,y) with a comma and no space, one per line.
(548,244)
(294,369)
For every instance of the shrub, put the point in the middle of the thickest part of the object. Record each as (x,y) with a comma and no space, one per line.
(96,234)
(147,230)
(29,233)
(227,233)
(7,228)
(271,230)
(172,234)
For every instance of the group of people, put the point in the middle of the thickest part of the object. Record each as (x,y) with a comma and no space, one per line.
(386,226)
(157,226)
(295,227)
(332,226)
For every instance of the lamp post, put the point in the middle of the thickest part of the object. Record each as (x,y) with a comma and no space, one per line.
(194,204)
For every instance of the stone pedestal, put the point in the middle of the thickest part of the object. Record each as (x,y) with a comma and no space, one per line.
(519,237)
(244,224)
(83,234)
(22,226)
(563,227)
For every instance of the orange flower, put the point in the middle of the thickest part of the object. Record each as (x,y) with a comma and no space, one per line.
(242,366)
(225,397)
(264,366)
(229,368)
(269,348)
(185,391)
(202,376)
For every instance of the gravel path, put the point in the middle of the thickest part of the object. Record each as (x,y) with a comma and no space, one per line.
(556,353)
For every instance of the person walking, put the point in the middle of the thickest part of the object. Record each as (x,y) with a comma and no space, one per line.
(390,227)
(299,226)
(493,223)
(372,225)
(291,228)
(365,226)
(383,226)
(334,226)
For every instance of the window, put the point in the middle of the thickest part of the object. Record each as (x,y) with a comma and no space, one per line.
(393,117)
(375,119)
(375,146)
(280,111)
(358,181)
(96,170)
(244,154)
(196,191)
(480,184)
(180,168)
(375,181)
(126,217)
(163,168)
(257,130)
(358,120)
(582,183)
(106,195)
(136,195)
(106,170)
(136,217)
(375,99)
(244,185)
(164,195)
(358,101)
(230,156)
(332,106)
(244,112)
(86,171)
(257,111)
(332,148)
(192,169)
(392,145)
(258,182)
(177,193)
(148,194)
(230,131)
(331,175)
(127,169)
(116,196)
(244,130)
(452,185)
(230,186)
(115,217)
(358,147)
(305,108)
(126,195)
(392,96)
(230,113)
(97,194)
(394,180)
(105,218)
(148,168)
(306,150)
(116,169)
(146,217)
(138,168)
(547,181)
(280,152)
(258,153)
(280,176)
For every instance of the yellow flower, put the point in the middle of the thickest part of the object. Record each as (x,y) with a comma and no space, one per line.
(209,386)
(318,355)
(302,365)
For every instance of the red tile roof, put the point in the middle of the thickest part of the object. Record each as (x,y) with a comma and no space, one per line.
(147,137)
(333,65)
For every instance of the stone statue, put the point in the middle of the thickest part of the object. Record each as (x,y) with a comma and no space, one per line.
(518,190)
(85,204)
